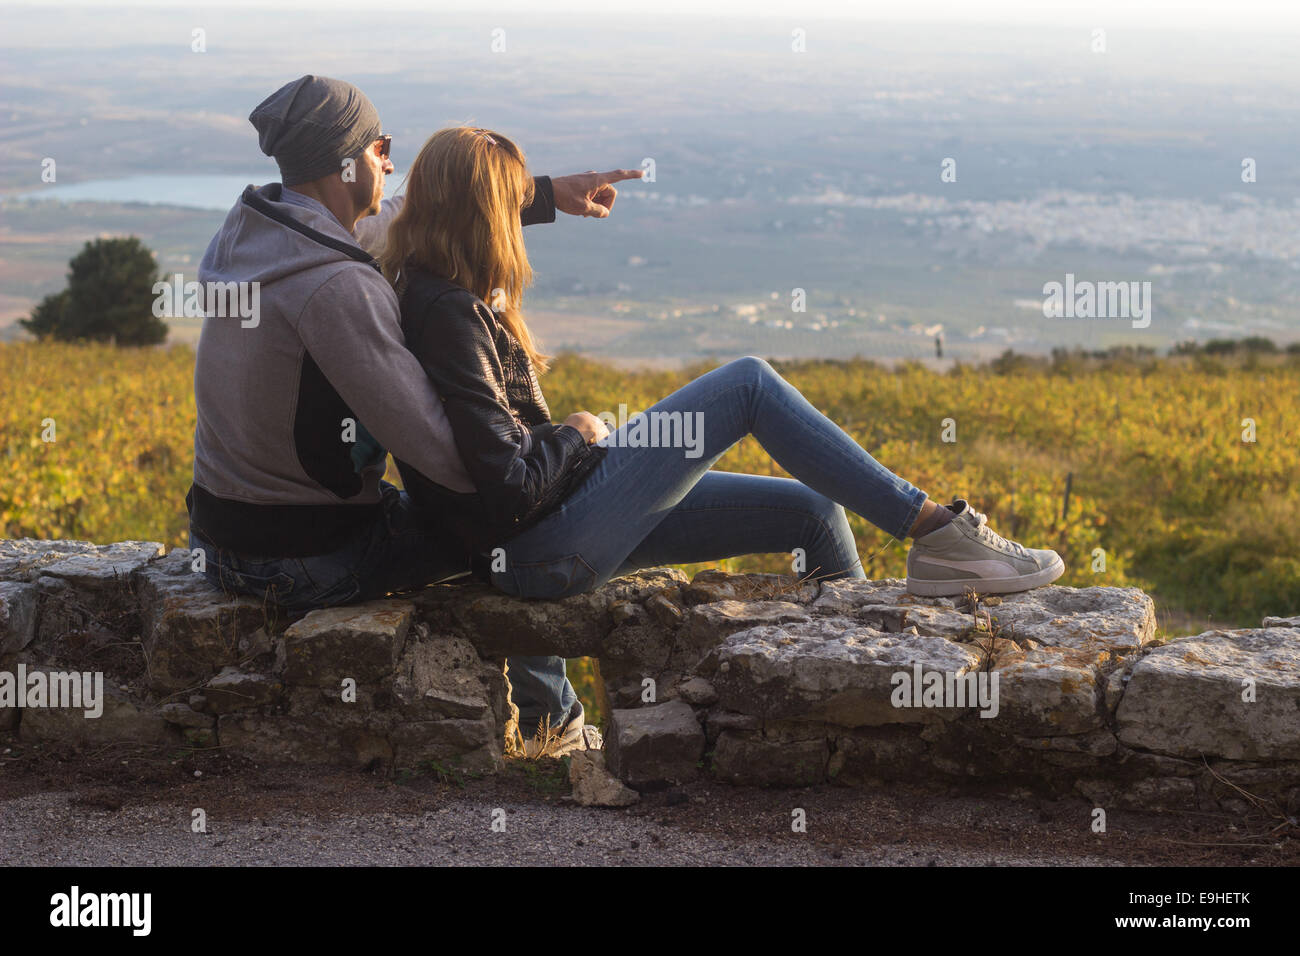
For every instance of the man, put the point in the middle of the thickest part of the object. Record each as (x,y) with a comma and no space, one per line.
(297,405)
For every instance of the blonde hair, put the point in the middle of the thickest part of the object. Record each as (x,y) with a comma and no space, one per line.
(460,221)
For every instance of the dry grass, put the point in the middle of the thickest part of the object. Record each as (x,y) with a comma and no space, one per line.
(541,744)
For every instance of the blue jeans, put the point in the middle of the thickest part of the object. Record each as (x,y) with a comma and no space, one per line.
(396,554)
(648,506)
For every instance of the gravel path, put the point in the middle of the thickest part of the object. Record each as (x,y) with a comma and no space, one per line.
(45,829)
(138,811)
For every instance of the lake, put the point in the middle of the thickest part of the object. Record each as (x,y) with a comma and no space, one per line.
(197,191)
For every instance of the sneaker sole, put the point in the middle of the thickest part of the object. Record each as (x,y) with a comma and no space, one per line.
(1021,582)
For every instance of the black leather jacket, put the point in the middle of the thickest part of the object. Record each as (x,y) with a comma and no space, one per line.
(522,464)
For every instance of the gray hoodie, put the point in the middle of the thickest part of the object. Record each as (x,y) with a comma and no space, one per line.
(275,473)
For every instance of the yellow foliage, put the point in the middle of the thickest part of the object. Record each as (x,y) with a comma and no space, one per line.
(1157,457)
(122,424)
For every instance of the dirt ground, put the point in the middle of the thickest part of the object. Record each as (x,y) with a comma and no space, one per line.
(122,806)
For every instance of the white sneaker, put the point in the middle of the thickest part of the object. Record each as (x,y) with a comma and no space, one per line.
(967,553)
(576,734)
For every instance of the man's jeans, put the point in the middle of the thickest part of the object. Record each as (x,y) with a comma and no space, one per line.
(395,555)
(649,506)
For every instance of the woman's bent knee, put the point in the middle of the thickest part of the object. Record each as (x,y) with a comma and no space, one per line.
(752,366)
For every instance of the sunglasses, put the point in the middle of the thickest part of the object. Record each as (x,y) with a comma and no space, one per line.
(386,141)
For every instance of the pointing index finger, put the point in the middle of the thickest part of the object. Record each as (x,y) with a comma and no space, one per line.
(618,175)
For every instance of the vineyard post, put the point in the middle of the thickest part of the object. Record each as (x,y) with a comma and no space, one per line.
(1013,500)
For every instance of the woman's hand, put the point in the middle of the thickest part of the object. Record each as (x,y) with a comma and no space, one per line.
(593,429)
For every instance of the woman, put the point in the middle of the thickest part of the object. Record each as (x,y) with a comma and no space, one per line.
(570,506)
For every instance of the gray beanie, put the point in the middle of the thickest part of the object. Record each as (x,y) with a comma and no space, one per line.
(312,124)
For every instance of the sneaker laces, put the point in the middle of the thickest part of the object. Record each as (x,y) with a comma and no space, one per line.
(991,537)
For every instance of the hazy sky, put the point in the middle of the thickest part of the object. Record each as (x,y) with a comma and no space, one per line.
(1246,15)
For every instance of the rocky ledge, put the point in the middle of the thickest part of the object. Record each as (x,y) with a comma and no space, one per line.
(755,679)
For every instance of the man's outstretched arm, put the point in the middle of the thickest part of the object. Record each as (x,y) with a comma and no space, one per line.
(582,194)
(372,231)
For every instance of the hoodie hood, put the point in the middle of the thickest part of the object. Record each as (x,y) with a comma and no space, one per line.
(265,238)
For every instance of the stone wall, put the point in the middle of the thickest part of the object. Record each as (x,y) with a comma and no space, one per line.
(754,679)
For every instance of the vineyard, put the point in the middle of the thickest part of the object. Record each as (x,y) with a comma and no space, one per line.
(1167,491)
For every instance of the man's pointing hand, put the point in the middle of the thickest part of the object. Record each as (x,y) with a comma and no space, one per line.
(590,193)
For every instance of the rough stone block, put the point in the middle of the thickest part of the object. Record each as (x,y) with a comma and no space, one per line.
(750,759)
(361,641)
(877,753)
(655,746)
(1097,620)
(234,690)
(86,566)
(833,671)
(123,720)
(1114,620)
(182,715)
(708,624)
(1048,691)
(1282,621)
(594,785)
(697,692)
(499,624)
(1188,697)
(189,629)
(285,739)
(474,745)
(443,676)
(17,616)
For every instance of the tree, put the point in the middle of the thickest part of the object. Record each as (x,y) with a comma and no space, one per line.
(109,297)
(47,315)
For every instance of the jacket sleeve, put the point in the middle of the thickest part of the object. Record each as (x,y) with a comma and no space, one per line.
(516,469)
(542,208)
(372,231)
(352,328)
